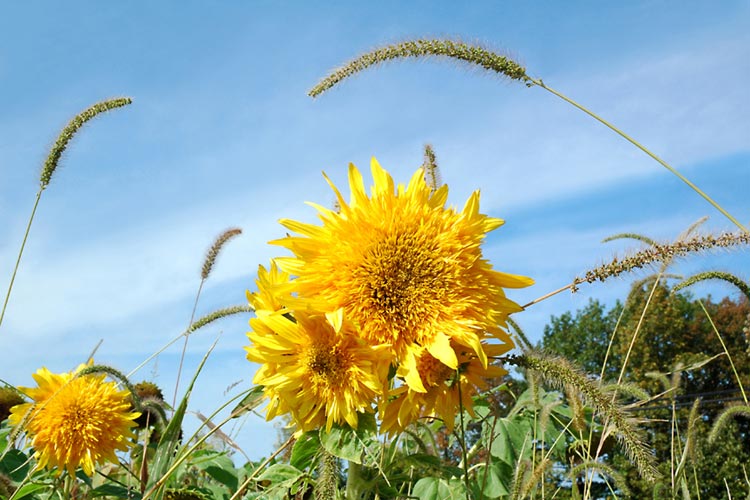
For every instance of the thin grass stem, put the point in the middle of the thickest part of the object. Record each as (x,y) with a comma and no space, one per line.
(637,144)
(20,253)
(726,351)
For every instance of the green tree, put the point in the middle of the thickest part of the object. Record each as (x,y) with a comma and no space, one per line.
(673,341)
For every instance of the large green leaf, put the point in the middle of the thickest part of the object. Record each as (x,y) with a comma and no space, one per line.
(217,465)
(15,464)
(280,473)
(492,481)
(360,446)
(433,488)
(511,435)
(304,450)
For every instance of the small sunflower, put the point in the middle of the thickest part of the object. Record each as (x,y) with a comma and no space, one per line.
(269,282)
(75,420)
(438,393)
(406,270)
(319,374)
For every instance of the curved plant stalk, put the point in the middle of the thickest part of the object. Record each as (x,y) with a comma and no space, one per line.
(50,165)
(490,61)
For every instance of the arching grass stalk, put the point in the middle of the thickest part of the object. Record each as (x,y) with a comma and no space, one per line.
(208,264)
(491,61)
(49,167)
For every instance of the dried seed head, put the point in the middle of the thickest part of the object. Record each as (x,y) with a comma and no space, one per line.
(453,49)
(50,164)
(213,252)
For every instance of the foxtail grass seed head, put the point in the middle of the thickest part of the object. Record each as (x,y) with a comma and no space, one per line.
(213,252)
(50,164)
(715,275)
(559,372)
(725,417)
(662,253)
(218,314)
(453,49)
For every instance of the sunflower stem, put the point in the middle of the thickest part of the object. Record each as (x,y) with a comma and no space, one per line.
(464,459)
(20,253)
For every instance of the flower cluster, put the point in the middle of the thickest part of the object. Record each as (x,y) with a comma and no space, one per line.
(388,304)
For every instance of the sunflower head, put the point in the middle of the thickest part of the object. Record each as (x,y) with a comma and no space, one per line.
(432,389)
(404,268)
(75,421)
(319,374)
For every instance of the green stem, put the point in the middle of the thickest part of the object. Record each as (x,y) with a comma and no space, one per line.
(20,253)
(465,458)
(664,164)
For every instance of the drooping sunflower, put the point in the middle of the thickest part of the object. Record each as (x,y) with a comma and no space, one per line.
(408,271)
(75,421)
(317,373)
(442,390)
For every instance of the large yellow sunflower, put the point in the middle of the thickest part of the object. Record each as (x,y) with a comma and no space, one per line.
(442,390)
(404,268)
(75,421)
(311,370)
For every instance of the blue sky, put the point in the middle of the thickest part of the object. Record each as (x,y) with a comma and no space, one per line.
(221,133)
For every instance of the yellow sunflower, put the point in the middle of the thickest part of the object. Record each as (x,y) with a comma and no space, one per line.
(404,268)
(311,370)
(439,393)
(268,281)
(75,421)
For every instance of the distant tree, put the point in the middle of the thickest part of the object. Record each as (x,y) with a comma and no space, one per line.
(584,338)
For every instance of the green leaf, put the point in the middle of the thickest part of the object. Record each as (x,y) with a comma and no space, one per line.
(218,466)
(360,446)
(304,450)
(15,464)
(115,490)
(511,436)
(29,489)
(279,473)
(166,451)
(492,481)
(433,488)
